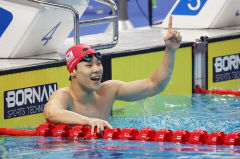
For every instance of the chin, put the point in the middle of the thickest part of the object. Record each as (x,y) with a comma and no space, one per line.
(95,88)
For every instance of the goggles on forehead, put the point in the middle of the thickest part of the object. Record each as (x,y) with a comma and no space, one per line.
(89,57)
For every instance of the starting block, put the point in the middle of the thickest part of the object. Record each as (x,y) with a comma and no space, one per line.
(29,29)
(198,14)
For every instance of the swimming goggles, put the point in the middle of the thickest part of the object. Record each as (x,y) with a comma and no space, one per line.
(89,57)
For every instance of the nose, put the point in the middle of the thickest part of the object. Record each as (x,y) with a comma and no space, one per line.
(97,68)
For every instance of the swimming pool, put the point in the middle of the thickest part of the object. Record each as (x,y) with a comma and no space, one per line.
(204,112)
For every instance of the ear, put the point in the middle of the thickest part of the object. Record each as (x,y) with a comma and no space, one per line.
(73,74)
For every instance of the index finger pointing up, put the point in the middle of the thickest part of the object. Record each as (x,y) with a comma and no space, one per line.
(170,23)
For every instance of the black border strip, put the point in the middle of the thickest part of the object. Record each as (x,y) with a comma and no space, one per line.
(107,65)
(143,50)
(107,75)
(107,68)
(34,67)
(230,37)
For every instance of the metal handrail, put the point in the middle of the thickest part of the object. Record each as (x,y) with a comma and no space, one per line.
(108,19)
(67,8)
(78,23)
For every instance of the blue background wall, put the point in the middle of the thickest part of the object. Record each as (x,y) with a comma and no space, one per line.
(136,16)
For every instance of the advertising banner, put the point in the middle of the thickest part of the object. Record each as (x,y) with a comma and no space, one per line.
(224,64)
(24,94)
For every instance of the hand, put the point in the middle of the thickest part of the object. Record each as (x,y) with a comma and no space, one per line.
(100,124)
(173,38)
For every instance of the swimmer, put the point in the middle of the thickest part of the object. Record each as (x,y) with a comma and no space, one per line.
(87,101)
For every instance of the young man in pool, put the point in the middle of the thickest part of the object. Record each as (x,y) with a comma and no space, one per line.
(87,101)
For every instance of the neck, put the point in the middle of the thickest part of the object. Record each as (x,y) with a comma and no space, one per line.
(82,95)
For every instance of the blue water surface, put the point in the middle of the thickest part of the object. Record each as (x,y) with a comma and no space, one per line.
(204,112)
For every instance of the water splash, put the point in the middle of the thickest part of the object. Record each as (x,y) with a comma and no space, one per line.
(205,112)
(146,105)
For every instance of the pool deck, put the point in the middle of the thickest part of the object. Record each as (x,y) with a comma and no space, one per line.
(129,40)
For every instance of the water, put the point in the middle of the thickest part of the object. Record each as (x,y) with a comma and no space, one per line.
(199,112)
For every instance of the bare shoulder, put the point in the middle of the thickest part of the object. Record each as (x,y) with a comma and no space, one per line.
(62,97)
(62,92)
(110,86)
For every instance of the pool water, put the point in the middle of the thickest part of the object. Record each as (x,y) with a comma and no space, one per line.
(203,112)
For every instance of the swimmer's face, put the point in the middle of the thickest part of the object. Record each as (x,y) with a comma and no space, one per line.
(89,74)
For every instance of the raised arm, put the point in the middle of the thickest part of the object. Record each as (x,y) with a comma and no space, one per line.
(130,91)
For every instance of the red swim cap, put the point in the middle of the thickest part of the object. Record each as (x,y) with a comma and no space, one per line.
(76,53)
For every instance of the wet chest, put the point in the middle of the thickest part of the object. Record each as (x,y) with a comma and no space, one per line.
(98,110)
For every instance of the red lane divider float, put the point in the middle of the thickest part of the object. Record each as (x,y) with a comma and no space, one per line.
(19,132)
(217,91)
(80,132)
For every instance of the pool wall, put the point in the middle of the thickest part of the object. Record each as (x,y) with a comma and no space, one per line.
(24,90)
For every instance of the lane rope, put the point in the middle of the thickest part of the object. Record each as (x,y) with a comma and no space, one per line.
(81,132)
(199,90)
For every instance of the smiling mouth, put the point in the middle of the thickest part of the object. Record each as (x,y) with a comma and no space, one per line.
(96,79)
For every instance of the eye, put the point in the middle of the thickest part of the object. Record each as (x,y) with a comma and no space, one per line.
(88,64)
(99,63)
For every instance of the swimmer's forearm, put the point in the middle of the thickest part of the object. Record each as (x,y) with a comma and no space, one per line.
(67,117)
(72,118)
(163,74)
(151,86)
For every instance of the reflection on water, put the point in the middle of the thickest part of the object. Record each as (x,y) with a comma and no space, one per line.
(40,147)
(200,112)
